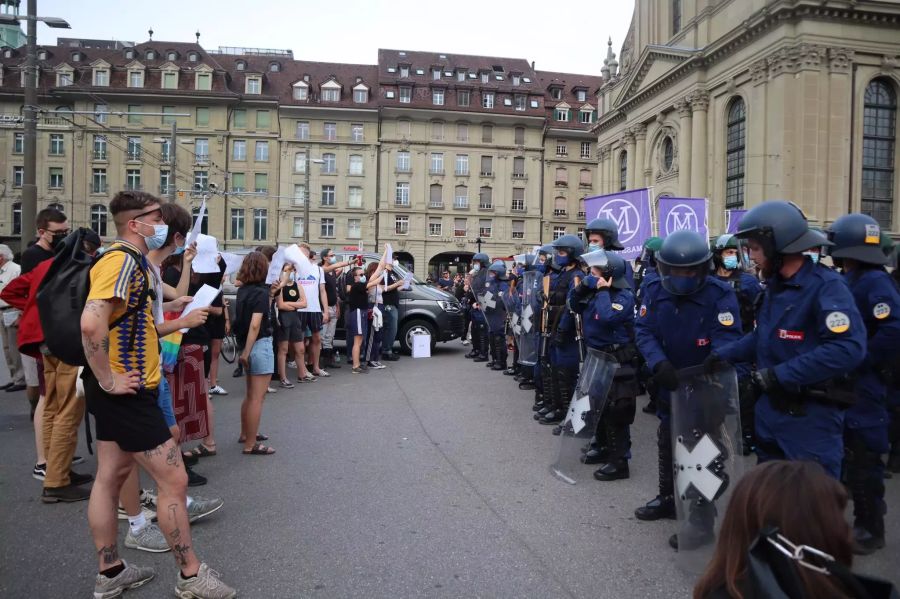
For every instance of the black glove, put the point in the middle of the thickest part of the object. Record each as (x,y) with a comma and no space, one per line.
(665,375)
(541,296)
(765,380)
(712,363)
(583,290)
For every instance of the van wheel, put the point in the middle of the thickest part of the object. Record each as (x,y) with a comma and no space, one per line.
(415,327)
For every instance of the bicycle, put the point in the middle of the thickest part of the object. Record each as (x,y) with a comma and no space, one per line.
(229,348)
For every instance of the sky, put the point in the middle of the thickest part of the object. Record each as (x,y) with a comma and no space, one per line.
(351,31)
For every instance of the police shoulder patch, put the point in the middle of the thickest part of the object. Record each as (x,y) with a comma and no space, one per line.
(643,310)
(837,322)
(618,307)
(881,310)
(726,319)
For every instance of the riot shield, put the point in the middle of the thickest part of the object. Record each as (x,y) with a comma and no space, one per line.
(491,301)
(529,313)
(511,303)
(585,409)
(707,458)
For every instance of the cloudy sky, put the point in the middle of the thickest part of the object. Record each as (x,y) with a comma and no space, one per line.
(565,37)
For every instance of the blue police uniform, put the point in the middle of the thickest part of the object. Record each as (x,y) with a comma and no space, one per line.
(748,289)
(808,331)
(495,314)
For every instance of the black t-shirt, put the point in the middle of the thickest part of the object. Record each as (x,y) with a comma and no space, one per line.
(253,299)
(290,293)
(358,297)
(391,298)
(331,287)
(197,335)
(34,256)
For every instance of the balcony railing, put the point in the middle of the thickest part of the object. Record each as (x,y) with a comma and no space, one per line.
(201,158)
(134,187)
(485,206)
(487,173)
(518,235)
(435,204)
(101,188)
(99,154)
(560,212)
(459,232)
(166,189)
(436,172)
(460,173)
(518,175)
(133,155)
(561,183)
(461,204)
(581,214)
(517,207)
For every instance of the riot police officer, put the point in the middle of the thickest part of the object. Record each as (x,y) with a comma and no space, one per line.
(684,314)
(857,252)
(529,313)
(603,234)
(809,335)
(479,353)
(727,257)
(561,354)
(606,304)
(643,276)
(495,314)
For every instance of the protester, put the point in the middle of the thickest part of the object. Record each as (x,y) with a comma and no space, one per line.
(357,307)
(289,329)
(391,311)
(253,326)
(132,428)
(313,284)
(216,328)
(376,310)
(332,269)
(9,324)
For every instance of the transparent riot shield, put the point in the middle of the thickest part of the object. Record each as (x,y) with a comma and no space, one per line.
(529,313)
(585,409)
(707,458)
(492,305)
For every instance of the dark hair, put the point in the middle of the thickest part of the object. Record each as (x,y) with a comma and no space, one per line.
(49,215)
(267,250)
(804,503)
(323,254)
(178,219)
(126,201)
(371,268)
(254,269)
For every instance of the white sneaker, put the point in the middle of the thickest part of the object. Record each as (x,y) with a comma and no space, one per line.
(322,372)
(148,513)
(217,390)
(150,538)
(205,585)
(291,364)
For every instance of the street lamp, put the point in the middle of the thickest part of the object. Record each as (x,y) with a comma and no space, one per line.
(29,178)
(309,160)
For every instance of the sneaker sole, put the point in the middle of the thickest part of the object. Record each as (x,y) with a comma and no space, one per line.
(193,519)
(39,477)
(185,594)
(61,500)
(118,592)
(78,460)
(147,549)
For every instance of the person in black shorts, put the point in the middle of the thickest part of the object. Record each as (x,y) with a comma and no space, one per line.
(290,330)
(215,328)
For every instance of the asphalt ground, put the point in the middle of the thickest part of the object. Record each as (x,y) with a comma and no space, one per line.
(426,479)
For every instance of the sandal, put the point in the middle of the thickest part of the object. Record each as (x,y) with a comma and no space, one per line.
(259,449)
(201,451)
(307,379)
(259,437)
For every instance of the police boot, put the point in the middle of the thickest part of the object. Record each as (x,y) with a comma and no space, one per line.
(492,351)
(747,398)
(476,339)
(483,344)
(526,384)
(663,505)
(598,450)
(538,401)
(500,354)
(867,489)
(698,530)
(617,466)
(563,387)
(546,393)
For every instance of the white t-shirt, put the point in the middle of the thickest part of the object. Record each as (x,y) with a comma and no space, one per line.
(310,281)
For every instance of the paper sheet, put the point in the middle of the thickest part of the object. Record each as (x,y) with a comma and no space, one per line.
(195,230)
(407,281)
(202,299)
(275,266)
(389,258)
(207,251)
(232,262)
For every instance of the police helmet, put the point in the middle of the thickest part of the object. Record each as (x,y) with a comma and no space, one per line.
(648,252)
(546,249)
(725,242)
(781,227)
(684,261)
(612,265)
(499,268)
(856,236)
(606,227)
(530,261)
(483,258)
(572,245)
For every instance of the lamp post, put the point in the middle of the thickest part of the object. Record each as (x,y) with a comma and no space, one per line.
(29,178)
(309,160)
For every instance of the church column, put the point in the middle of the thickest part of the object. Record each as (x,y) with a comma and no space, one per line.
(699,106)
(684,148)
(640,135)
(629,148)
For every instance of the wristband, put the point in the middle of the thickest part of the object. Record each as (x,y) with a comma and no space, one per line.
(111,387)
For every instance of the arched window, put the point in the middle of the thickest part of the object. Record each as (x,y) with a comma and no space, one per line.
(879,136)
(668,154)
(623,171)
(98,219)
(735,145)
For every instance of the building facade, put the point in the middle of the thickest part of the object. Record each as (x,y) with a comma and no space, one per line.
(744,101)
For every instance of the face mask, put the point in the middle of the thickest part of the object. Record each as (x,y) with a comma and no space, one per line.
(293,277)
(362,278)
(814,256)
(56,239)
(681,285)
(593,247)
(520,271)
(562,260)
(476,267)
(730,262)
(541,268)
(332,260)
(396,263)
(158,239)
(591,281)
(492,275)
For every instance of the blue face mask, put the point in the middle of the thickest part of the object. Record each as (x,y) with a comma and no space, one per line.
(520,271)
(593,247)
(561,261)
(541,268)
(591,281)
(178,250)
(362,278)
(332,260)
(730,262)
(814,256)
(681,285)
(492,275)
(476,267)
(158,239)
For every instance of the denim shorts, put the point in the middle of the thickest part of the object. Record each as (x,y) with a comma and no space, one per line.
(262,357)
(164,400)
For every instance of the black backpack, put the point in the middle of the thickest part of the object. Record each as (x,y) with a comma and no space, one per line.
(63,292)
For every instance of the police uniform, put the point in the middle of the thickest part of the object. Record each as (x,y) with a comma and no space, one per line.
(495,315)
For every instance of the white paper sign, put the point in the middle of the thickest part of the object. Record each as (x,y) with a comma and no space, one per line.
(195,231)
(207,252)
(275,267)
(202,299)
(232,262)
(389,257)
(407,281)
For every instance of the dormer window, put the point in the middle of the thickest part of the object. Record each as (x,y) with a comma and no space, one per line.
(42,55)
(64,78)
(7,53)
(586,115)
(561,113)
(135,78)
(485,77)
(516,80)
(301,91)
(77,56)
(556,93)
(203,78)
(461,75)
(582,95)
(101,77)
(151,55)
(435,74)
(172,55)
(404,71)
(253,85)
(169,78)
(240,65)
(274,67)
(330,91)
(360,94)
(129,54)
(193,57)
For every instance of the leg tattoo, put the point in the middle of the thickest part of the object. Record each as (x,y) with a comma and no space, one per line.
(109,554)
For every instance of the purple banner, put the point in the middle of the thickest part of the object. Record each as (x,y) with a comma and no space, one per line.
(733,219)
(676,214)
(630,210)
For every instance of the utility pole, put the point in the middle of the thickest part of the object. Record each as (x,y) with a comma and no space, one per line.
(29,179)
(173,159)
(306,195)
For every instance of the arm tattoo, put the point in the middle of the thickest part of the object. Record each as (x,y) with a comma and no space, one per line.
(104,345)
(109,554)
(91,347)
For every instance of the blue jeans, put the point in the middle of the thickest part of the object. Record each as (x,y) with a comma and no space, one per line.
(389,333)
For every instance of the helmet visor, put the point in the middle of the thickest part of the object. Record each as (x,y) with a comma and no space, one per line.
(683,280)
